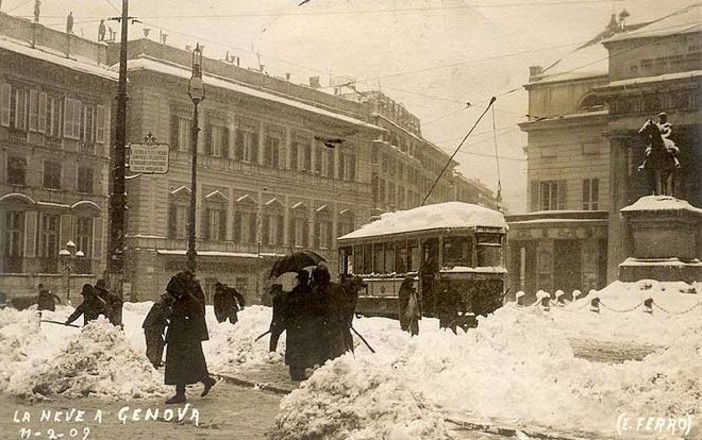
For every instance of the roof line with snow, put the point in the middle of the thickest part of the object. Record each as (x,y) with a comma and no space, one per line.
(144,62)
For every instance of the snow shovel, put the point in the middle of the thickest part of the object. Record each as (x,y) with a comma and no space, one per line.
(363,339)
(59,322)
(261,335)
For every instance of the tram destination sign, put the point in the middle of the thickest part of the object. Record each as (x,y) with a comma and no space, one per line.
(148,158)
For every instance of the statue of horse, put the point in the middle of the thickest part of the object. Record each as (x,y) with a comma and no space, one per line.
(661,158)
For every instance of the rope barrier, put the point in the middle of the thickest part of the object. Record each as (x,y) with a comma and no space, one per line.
(620,311)
(585,304)
(677,313)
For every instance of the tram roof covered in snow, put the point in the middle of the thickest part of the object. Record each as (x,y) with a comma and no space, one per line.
(425,218)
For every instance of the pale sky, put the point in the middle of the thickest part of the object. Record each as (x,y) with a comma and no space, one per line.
(434,56)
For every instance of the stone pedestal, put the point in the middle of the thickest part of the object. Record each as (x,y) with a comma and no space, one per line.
(664,240)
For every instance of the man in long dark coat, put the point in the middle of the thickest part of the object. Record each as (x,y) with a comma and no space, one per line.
(299,328)
(154,325)
(329,307)
(448,302)
(91,307)
(409,312)
(47,300)
(185,361)
(227,303)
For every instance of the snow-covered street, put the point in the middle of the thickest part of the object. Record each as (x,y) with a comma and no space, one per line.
(523,367)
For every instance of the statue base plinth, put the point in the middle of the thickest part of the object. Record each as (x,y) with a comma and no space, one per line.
(665,269)
(665,236)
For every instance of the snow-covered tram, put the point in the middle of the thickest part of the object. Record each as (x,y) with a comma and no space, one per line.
(451,250)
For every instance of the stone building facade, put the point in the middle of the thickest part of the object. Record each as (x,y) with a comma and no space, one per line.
(583,149)
(54,156)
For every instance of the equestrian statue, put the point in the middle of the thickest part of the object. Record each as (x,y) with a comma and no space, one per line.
(661,154)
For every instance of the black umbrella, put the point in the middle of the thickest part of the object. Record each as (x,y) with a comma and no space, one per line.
(295,262)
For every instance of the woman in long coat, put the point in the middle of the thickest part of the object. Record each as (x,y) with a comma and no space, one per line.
(185,361)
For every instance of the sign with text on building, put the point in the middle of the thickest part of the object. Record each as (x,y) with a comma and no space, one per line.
(149,158)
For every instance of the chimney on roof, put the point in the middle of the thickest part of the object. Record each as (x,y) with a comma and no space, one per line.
(287,76)
(535,71)
(314,82)
(188,48)
(146,31)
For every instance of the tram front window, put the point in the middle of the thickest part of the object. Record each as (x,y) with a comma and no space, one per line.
(489,250)
(456,251)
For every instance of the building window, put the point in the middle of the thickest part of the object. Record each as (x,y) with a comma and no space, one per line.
(100,130)
(18,109)
(13,247)
(299,227)
(17,170)
(551,195)
(301,153)
(345,222)
(52,175)
(180,133)
(591,194)
(271,152)
(87,133)
(72,118)
(85,180)
(273,225)
(245,223)
(49,242)
(55,111)
(84,242)
(215,222)
(246,145)
(324,229)
(177,221)
(218,141)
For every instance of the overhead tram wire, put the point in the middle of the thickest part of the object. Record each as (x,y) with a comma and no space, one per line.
(497,161)
(492,101)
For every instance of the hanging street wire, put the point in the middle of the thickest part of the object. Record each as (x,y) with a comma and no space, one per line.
(492,101)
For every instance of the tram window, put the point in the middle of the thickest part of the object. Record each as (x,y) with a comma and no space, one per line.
(378,260)
(456,251)
(389,257)
(413,254)
(489,256)
(401,258)
(489,250)
(367,258)
(358,259)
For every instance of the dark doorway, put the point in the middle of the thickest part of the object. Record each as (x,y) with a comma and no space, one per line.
(567,266)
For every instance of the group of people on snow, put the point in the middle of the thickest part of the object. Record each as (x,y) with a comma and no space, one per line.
(317,316)
(97,300)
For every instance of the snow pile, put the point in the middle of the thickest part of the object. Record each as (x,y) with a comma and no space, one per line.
(356,399)
(233,348)
(99,360)
(19,334)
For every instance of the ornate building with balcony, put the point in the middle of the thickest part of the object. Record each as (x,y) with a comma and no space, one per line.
(54,154)
(583,148)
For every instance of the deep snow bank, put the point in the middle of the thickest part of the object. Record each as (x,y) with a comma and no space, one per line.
(99,360)
(356,399)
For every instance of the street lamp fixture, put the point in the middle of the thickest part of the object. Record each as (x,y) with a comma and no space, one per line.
(196,91)
(69,257)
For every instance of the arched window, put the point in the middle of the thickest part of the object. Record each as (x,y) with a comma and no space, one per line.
(18,222)
(345,222)
(87,230)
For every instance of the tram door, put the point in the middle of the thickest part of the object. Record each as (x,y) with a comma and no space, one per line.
(428,273)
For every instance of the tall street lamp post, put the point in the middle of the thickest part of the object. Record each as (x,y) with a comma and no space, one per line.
(196,91)
(68,257)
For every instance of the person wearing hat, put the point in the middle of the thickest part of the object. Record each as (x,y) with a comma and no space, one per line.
(46,300)
(227,302)
(91,307)
(187,328)
(113,302)
(299,328)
